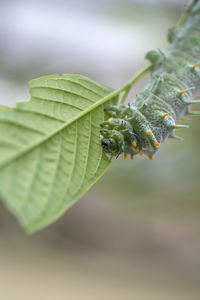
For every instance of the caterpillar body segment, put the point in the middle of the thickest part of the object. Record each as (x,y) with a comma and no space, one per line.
(143,125)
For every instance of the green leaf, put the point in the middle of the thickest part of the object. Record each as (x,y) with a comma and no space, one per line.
(50,151)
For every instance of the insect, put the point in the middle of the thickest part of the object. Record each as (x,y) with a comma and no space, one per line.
(143,125)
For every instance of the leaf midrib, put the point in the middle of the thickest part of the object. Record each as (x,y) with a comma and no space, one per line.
(79,116)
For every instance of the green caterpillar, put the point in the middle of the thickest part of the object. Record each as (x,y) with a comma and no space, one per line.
(143,125)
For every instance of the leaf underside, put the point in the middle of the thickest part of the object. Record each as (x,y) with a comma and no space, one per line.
(50,151)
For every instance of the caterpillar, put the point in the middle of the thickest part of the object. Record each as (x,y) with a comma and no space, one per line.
(143,125)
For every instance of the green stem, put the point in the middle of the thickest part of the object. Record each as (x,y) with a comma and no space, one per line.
(129,84)
(125,95)
(185,15)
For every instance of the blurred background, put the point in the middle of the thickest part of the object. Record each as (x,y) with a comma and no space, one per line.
(136,233)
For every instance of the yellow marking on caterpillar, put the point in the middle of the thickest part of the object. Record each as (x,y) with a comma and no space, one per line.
(183,92)
(164,115)
(186,90)
(148,132)
(156,144)
(180,126)
(195,66)
(134,143)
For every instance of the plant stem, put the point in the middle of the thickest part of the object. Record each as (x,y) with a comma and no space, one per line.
(185,15)
(129,84)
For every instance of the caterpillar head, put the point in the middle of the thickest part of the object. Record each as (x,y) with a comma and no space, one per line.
(112,141)
(117,135)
